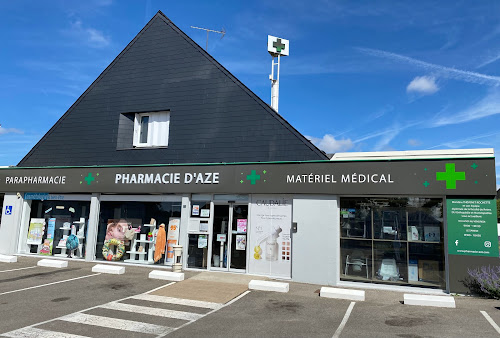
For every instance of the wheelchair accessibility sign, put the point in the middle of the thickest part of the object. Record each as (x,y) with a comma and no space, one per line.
(8,209)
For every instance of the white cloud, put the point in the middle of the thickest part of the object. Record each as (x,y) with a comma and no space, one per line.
(90,36)
(330,145)
(4,131)
(425,85)
(448,72)
(414,143)
(489,105)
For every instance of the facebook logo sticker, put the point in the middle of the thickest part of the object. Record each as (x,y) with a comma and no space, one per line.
(8,209)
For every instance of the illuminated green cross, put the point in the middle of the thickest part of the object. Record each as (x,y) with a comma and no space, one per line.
(278,45)
(450,176)
(89,178)
(253,177)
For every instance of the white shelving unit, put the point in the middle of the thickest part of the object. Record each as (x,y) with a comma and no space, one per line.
(80,234)
(147,255)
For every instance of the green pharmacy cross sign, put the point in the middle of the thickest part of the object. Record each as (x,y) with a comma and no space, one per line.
(253,177)
(450,176)
(279,45)
(89,178)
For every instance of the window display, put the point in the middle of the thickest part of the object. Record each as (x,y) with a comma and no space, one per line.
(395,240)
(58,228)
(134,232)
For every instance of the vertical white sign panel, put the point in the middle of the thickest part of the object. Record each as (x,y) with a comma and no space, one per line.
(172,239)
(270,244)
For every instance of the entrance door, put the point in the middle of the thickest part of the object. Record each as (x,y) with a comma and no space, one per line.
(229,237)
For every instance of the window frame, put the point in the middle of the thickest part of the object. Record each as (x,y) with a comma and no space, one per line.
(152,126)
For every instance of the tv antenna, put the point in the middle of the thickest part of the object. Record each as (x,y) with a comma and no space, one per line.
(222,32)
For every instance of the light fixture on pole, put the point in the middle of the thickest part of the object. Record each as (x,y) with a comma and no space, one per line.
(277,47)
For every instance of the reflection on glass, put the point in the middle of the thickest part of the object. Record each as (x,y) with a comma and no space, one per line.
(197,251)
(239,237)
(356,259)
(220,238)
(62,219)
(137,225)
(393,240)
(390,260)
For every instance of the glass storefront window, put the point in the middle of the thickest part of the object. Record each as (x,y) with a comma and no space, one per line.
(395,240)
(197,254)
(52,224)
(128,231)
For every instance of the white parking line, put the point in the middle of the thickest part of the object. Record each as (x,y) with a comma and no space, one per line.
(491,321)
(32,332)
(29,267)
(152,311)
(222,305)
(178,301)
(115,323)
(344,320)
(48,284)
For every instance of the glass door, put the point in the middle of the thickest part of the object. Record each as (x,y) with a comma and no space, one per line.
(220,238)
(229,239)
(238,243)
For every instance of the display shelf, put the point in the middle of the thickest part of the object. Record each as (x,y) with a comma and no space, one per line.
(137,252)
(68,231)
(135,261)
(141,257)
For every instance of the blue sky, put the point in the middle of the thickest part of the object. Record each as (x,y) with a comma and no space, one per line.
(361,76)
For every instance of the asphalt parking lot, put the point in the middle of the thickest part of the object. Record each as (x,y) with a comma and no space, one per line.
(37,300)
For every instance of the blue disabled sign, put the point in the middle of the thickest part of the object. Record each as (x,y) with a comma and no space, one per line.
(8,209)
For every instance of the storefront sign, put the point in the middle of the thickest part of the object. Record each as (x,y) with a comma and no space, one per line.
(42,196)
(270,241)
(472,227)
(172,238)
(418,177)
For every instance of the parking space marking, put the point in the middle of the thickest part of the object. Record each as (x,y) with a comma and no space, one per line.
(80,317)
(49,284)
(344,320)
(115,323)
(152,311)
(29,267)
(491,321)
(178,301)
(31,332)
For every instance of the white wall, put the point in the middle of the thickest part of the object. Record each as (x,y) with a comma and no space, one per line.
(9,229)
(315,246)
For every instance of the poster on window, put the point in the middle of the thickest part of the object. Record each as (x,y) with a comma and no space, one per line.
(241,225)
(35,231)
(269,235)
(241,242)
(172,238)
(49,241)
(196,210)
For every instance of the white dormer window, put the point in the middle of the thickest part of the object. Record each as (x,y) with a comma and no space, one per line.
(151,129)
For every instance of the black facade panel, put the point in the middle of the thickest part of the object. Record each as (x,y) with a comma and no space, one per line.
(213,117)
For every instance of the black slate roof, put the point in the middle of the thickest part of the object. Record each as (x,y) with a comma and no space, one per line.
(213,117)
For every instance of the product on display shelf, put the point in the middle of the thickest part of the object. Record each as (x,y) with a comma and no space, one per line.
(107,252)
(72,243)
(161,241)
